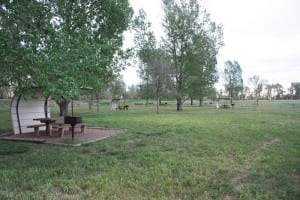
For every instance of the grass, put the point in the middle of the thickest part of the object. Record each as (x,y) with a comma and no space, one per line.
(74,141)
(8,149)
(200,153)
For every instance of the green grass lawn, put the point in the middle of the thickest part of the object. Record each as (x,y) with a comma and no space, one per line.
(200,153)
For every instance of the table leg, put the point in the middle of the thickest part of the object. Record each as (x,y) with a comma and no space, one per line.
(49,129)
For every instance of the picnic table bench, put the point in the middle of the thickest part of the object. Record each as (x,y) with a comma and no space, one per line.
(63,127)
(36,128)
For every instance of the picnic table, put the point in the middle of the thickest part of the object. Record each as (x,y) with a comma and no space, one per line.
(125,107)
(48,122)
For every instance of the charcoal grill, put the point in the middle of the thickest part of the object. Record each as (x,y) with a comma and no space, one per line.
(72,120)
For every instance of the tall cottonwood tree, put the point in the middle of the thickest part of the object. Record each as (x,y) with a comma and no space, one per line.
(61,46)
(233,78)
(188,28)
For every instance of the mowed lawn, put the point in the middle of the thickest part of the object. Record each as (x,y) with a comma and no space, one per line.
(199,153)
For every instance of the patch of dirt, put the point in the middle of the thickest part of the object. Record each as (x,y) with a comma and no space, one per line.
(269,143)
(90,135)
(228,197)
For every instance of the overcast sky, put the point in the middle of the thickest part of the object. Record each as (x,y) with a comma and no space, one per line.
(262,35)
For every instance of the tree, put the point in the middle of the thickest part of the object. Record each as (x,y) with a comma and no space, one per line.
(274,91)
(278,90)
(233,78)
(296,89)
(188,28)
(145,91)
(202,68)
(25,29)
(145,43)
(132,92)
(154,62)
(212,93)
(61,46)
(246,92)
(117,88)
(269,88)
(257,84)
(158,66)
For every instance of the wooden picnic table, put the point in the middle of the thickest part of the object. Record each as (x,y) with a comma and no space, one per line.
(48,121)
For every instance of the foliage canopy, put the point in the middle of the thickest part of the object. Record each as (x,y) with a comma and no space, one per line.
(61,46)
(233,78)
(192,40)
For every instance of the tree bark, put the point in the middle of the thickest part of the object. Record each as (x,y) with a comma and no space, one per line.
(179,104)
(63,107)
(98,102)
(90,103)
(147,93)
(200,102)
(157,104)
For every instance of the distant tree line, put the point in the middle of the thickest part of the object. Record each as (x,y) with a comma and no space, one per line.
(257,88)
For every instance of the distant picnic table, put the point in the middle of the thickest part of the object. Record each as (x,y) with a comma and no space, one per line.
(125,107)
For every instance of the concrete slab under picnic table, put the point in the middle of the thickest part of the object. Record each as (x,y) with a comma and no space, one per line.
(91,134)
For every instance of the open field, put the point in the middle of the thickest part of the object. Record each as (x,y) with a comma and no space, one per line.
(200,153)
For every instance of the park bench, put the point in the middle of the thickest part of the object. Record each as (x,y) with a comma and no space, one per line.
(36,128)
(63,127)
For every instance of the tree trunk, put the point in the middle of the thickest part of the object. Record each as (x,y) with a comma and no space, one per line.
(90,101)
(98,106)
(63,108)
(179,104)
(158,100)
(192,102)
(90,104)
(200,102)
(147,93)
(98,102)
(157,104)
